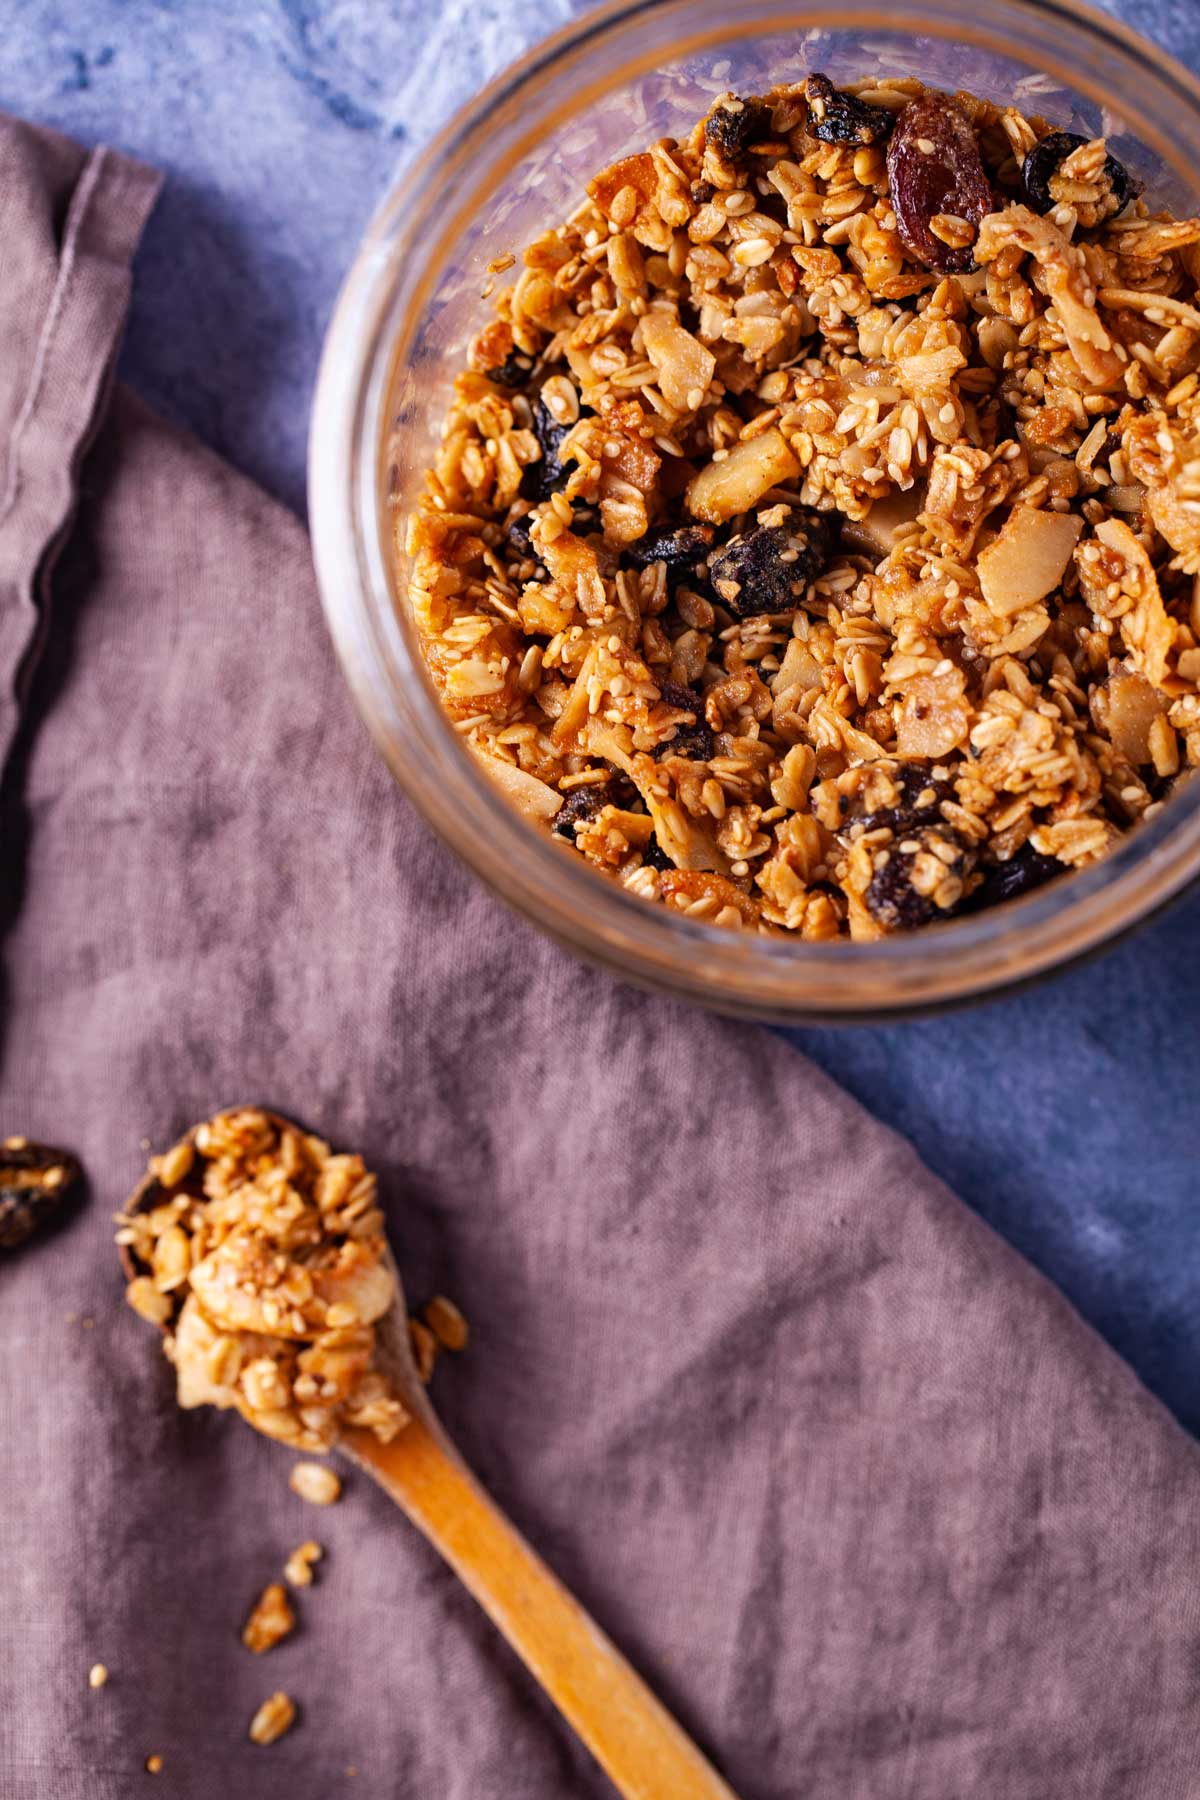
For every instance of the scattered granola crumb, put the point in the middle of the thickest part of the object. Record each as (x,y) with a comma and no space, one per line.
(97,1675)
(315,1482)
(273,1718)
(271,1620)
(447,1323)
(154,1763)
(298,1569)
(424,1349)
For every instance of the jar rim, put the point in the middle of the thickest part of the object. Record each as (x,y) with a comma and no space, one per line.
(780,977)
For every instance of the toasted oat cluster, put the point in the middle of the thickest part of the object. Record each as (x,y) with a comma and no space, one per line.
(262,1255)
(814,537)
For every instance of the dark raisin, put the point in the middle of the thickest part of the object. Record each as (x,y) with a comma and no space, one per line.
(1045,158)
(919,798)
(702,192)
(838,118)
(915,819)
(733,125)
(766,569)
(548,474)
(518,535)
(654,856)
(893,901)
(513,372)
(585,802)
(934,167)
(35,1181)
(679,547)
(694,741)
(1023,872)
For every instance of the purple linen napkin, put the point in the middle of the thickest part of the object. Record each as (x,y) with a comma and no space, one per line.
(863,1498)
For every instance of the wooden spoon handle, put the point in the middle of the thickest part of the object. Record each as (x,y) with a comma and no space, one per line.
(634,1739)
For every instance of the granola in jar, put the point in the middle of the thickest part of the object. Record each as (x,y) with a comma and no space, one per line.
(814,541)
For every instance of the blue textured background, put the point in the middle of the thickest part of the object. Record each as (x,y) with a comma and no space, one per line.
(1067,1116)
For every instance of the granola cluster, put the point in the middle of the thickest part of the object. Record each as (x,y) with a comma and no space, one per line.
(813,542)
(262,1256)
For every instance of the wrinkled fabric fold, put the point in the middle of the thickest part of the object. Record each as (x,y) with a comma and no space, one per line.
(859,1493)
(69,223)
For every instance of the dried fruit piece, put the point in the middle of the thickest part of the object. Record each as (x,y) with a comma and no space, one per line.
(1046,157)
(934,167)
(35,1180)
(920,872)
(584,802)
(1024,871)
(513,372)
(692,739)
(518,536)
(654,856)
(766,569)
(679,547)
(548,474)
(751,469)
(838,118)
(733,125)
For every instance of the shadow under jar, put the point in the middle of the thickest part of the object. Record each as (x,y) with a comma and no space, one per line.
(510,165)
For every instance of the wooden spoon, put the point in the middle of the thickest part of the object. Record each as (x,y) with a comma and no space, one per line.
(641,1748)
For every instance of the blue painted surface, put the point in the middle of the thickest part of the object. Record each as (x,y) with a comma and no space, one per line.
(1067,1116)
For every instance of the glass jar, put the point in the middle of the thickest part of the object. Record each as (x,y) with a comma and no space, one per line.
(512,163)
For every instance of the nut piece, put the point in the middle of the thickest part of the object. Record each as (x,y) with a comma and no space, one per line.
(751,469)
(97,1675)
(447,1323)
(315,1482)
(424,1349)
(298,1569)
(271,1620)
(273,1718)
(1028,559)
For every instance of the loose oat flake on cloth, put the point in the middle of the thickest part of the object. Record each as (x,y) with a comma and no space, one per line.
(857,1491)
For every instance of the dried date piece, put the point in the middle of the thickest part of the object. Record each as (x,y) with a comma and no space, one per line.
(934,167)
(35,1180)
(694,741)
(1045,159)
(838,118)
(766,569)
(733,125)
(680,547)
